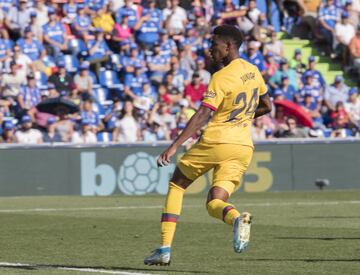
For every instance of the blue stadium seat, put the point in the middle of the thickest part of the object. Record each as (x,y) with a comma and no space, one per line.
(101,94)
(109,79)
(71,62)
(104,137)
(41,80)
(49,61)
(77,46)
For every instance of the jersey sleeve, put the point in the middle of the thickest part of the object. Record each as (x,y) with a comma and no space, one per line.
(262,86)
(214,94)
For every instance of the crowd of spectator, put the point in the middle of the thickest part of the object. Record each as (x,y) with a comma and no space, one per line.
(138,69)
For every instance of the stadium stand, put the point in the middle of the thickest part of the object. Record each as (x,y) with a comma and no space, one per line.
(137,69)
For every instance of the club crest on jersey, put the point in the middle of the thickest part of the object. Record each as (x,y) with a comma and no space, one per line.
(210,94)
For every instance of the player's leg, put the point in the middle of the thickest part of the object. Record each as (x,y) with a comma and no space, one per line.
(170,215)
(227,176)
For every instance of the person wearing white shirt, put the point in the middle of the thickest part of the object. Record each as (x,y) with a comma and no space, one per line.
(175,17)
(253,12)
(352,107)
(28,135)
(127,128)
(85,135)
(344,31)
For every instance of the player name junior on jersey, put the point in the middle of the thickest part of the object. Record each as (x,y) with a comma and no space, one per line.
(247,76)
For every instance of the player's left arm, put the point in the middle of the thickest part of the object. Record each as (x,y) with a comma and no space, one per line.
(264,106)
(197,121)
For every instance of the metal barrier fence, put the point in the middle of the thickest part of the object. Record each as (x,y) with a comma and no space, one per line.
(107,169)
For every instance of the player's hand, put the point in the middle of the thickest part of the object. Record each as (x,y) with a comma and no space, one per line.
(165,158)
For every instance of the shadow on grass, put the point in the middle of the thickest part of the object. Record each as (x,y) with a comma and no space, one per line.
(301,260)
(334,217)
(96,268)
(318,238)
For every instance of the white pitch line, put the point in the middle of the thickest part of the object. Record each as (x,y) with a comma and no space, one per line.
(80,269)
(264,204)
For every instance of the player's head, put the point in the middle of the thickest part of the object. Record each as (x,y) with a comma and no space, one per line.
(226,41)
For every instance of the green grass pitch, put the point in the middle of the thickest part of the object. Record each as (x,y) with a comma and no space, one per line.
(293,233)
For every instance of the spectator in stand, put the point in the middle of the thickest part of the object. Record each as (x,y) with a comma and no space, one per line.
(200,68)
(92,6)
(35,27)
(328,15)
(173,94)
(64,127)
(11,83)
(122,31)
(270,66)
(339,116)
(87,113)
(83,80)
(50,135)
(292,130)
(167,45)
(17,19)
(147,30)
(254,56)
(275,47)
(82,23)
(296,63)
(337,92)
(43,12)
(180,76)
(253,12)
(104,20)
(349,7)
(23,62)
(194,91)
(344,32)
(286,90)
(158,65)
(186,61)
(354,48)
(70,11)
(310,88)
(319,81)
(175,18)
(29,96)
(85,135)
(4,51)
(8,134)
(275,80)
(127,128)
(30,46)
(54,35)
(244,23)
(99,51)
(129,9)
(311,106)
(134,83)
(61,79)
(352,107)
(26,134)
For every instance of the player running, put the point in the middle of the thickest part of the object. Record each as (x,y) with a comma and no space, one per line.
(236,94)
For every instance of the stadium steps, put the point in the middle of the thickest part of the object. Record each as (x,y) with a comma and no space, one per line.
(328,67)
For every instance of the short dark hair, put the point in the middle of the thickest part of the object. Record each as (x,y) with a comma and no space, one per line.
(230,32)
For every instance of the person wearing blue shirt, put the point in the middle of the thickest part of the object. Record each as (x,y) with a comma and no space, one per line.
(88,114)
(328,15)
(99,51)
(167,45)
(254,56)
(312,107)
(29,96)
(287,91)
(275,80)
(70,10)
(158,65)
(134,83)
(31,47)
(310,88)
(55,34)
(318,81)
(129,63)
(82,23)
(130,11)
(4,51)
(94,5)
(147,31)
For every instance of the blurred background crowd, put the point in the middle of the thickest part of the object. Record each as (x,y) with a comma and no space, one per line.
(138,69)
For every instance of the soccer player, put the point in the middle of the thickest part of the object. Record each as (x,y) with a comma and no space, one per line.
(236,94)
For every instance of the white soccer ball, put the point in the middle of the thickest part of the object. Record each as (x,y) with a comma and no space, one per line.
(138,174)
